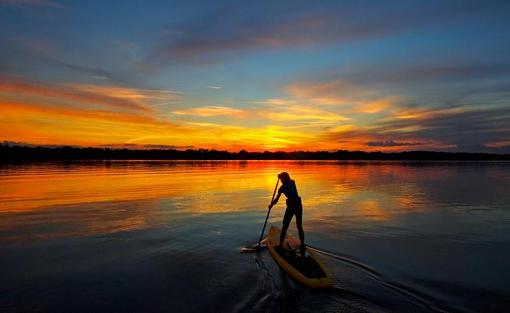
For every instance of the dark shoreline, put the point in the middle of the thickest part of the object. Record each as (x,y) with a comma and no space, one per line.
(10,154)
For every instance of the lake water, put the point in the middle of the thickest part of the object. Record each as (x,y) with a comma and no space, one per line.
(164,236)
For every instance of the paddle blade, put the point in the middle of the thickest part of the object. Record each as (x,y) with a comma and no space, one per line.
(254,248)
(250,249)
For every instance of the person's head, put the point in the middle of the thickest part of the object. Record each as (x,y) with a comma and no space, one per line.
(284,177)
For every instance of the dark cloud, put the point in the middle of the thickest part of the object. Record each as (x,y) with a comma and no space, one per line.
(34,3)
(30,145)
(441,83)
(231,29)
(467,130)
(482,148)
(452,71)
(470,127)
(134,146)
(84,69)
(81,94)
(391,143)
(22,55)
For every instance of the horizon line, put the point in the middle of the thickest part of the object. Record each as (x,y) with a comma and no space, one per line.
(162,148)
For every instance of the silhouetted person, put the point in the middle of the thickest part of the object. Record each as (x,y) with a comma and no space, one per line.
(294,207)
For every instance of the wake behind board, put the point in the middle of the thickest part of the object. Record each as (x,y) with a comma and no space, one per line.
(306,270)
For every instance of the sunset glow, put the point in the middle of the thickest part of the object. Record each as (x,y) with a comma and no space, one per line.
(331,78)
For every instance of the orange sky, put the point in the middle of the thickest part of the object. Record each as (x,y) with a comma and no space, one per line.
(309,117)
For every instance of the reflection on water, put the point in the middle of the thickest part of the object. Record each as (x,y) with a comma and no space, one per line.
(438,229)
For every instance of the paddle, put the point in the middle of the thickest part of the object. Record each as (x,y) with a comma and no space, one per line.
(255,248)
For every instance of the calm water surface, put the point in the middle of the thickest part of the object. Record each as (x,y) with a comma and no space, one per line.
(137,236)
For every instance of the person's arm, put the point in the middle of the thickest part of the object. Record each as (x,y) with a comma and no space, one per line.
(275,201)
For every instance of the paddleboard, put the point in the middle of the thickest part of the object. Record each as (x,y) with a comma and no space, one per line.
(307,270)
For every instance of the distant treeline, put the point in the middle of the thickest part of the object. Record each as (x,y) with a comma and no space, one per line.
(10,154)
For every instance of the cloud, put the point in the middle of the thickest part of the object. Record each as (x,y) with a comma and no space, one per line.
(212,35)
(445,106)
(373,138)
(430,129)
(419,72)
(393,126)
(46,124)
(277,101)
(472,126)
(433,129)
(442,83)
(265,112)
(109,96)
(209,111)
(504,149)
(35,3)
(68,116)
(332,91)
(391,143)
(297,113)
(135,146)
(353,98)
(134,94)
(19,109)
(215,87)
(22,54)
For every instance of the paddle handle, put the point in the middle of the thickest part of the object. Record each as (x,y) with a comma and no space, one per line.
(268,211)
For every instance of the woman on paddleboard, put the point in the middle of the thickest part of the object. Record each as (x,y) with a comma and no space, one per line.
(294,207)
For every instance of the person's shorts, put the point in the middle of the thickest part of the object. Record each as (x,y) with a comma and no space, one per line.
(293,208)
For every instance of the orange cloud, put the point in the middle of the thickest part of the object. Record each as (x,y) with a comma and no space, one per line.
(295,113)
(45,124)
(427,113)
(48,124)
(330,92)
(209,111)
(347,97)
(269,113)
(499,144)
(277,101)
(89,115)
(30,110)
(133,94)
(109,96)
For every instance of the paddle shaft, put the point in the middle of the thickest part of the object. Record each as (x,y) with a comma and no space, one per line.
(268,211)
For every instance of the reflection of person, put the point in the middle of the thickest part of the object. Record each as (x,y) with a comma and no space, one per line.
(294,207)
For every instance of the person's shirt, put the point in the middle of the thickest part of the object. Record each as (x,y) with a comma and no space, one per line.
(289,190)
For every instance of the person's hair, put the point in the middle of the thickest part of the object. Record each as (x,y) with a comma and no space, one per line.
(284,177)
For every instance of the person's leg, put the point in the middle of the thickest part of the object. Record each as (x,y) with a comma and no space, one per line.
(286,221)
(299,225)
